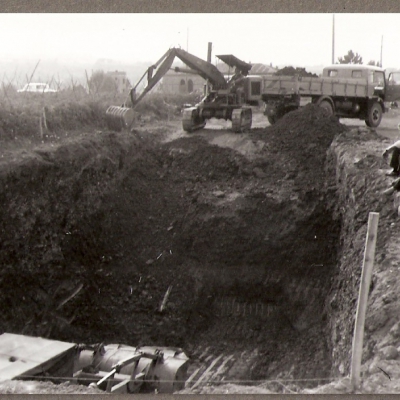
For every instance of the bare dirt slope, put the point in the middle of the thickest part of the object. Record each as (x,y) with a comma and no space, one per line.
(260,236)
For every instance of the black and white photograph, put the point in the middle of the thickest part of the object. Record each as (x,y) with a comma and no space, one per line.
(200,203)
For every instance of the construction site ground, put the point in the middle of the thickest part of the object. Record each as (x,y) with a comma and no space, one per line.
(258,236)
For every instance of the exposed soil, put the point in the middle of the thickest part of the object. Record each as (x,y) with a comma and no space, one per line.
(259,235)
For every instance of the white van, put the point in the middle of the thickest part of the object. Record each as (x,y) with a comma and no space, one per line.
(36,88)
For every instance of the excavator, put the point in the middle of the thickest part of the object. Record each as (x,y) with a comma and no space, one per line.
(226,99)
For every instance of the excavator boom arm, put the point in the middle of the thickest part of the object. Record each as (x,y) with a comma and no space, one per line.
(161,70)
(205,69)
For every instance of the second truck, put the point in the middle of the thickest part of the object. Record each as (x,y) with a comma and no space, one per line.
(344,90)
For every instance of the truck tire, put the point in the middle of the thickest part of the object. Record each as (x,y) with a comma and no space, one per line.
(374,116)
(325,105)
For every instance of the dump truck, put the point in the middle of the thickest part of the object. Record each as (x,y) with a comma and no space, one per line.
(228,98)
(344,90)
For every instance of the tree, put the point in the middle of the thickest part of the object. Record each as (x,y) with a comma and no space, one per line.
(375,63)
(350,58)
(291,71)
(100,82)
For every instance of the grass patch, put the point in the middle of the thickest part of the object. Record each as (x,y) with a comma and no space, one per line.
(28,115)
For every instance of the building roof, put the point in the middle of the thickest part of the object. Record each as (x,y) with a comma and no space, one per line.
(261,69)
(256,69)
(123,73)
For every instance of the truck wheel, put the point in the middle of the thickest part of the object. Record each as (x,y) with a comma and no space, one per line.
(325,105)
(374,116)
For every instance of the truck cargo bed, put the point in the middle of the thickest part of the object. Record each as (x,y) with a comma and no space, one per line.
(294,85)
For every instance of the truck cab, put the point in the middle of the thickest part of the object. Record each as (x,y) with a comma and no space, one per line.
(393,87)
(252,89)
(355,71)
(385,87)
(375,76)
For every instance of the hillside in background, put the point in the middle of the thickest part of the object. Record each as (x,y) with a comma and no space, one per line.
(67,73)
(63,73)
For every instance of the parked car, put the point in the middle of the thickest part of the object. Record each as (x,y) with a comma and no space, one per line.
(37,88)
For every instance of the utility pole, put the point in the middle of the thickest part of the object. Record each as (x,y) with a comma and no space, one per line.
(333,39)
(209,56)
(187,49)
(209,52)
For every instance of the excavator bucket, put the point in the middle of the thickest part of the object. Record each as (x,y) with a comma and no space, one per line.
(120,118)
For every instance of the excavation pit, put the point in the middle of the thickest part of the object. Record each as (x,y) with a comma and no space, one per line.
(242,232)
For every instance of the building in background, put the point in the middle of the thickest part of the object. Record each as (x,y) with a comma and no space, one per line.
(183,83)
(121,81)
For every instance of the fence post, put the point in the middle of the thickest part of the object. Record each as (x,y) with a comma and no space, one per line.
(358,336)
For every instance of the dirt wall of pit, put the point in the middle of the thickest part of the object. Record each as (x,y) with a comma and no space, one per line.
(260,252)
(358,171)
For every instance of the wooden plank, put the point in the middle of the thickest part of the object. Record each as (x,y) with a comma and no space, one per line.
(38,355)
(368,263)
(25,355)
(36,348)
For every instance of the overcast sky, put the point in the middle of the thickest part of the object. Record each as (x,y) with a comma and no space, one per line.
(280,39)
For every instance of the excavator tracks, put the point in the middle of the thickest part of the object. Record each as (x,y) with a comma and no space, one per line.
(191,121)
(241,119)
